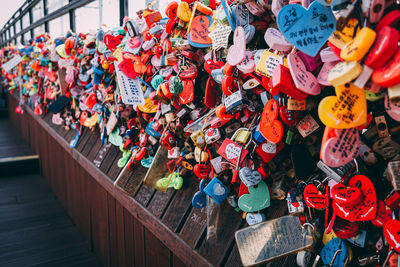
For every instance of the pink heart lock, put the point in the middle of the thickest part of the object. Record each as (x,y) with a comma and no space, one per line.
(155,61)
(310,62)
(327,55)
(324,72)
(392,108)
(304,80)
(236,52)
(247,65)
(339,146)
(275,40)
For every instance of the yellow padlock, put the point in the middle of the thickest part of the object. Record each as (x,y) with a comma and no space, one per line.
(184,12)
(200,155)
(344,72)
(356,49)
(328,237)
(198,138)
(242,136)
(341,38)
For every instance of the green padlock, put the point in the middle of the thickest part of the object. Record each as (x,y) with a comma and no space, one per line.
(175,85)
(157,81)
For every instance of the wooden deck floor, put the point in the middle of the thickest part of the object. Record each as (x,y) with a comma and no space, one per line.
(35,229)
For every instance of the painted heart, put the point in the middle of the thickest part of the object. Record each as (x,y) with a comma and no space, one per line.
(345,110)
(324,73)
(310,62)
(249,177)
(247,65)
(328,252)
(383,214)
(219,190)
(270,127)
(339,146)
(210,65)
(257,198)
(112,41)
(199,31)
(346,195)
(345,229)
(344,72)
(126,66)
(314,198)
(366,209)
(139,67)
(187,94)
(236,52)
(392,108)
(254,218)
(304,80)
(289,117)
(391,230)
(201,170)
(389,74)
(308,30)
(275,40)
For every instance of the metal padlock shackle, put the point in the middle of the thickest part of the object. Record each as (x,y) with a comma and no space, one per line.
(241,129)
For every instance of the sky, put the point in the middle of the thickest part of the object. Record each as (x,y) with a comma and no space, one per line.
(7,10)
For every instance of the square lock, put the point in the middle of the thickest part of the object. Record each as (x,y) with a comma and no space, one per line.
(381,126)
(198,138)
(231,151)
(212,135)
(234,102)
(242,136)
(174,153)
(394,174)
(267,150)
(307,126)
(294,104)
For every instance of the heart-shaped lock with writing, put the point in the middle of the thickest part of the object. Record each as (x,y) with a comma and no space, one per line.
(346,195)
(304,80)
(270,127)
(236,52)
(314,198)
(257,199)
(249,177)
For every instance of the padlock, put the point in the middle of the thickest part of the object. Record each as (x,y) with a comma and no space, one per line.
(198,138)
(282,81)
(359,46)
(212,135)
(394,174)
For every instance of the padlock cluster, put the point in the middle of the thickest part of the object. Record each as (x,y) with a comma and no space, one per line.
(261,102)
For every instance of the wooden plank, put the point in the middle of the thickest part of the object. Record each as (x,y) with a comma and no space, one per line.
(194,227)
(160,202)
(113,153)
(129,239)
(90,143)
(95,149)
(99,220)
(114,169)
(144,195)
(112,230)
(120,234)
(83,218)
(176,262)
(234,258)
(139,243)
(157,254)
(86,133)
(129,181)
(180,205)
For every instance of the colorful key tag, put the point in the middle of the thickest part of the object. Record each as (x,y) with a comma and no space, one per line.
(257,199)
(344,72)
(384,47)
(345,110)
(339,146)
(276,41)
(359,46)
(220,36)
(305,30)
(267,63)
(216,190)
(183,11)
(236,52)
(335,248)
(270,127)
(366,209)
(304,80)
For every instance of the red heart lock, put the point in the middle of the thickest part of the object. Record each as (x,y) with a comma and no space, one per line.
(345,229)
(112,41)
(383,214)
(199,30)
(270,127)
(289,117)
(282,81)
(187,94)
(189,73)
(391,230)
(127,68)
(133,42)
(210,94)
(91,100)
(366,209)
(229,85)
(390,19)
(210,65)
(314,198)
(346,195)
(384,47)
(243,190)
(389,74)
(201,170)
(220,111)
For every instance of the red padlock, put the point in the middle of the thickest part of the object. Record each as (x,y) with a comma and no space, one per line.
(168,141)
(384,47)
(282,81)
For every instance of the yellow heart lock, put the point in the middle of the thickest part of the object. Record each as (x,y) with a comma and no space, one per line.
(184,12)
(341,38)
(148,106)
(344,72)
(348,109)
(356,49)
(328,237)
(89,122)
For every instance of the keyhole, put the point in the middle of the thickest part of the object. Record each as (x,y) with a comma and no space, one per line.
(377,8)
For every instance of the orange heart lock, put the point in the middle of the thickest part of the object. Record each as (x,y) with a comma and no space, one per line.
(270,127)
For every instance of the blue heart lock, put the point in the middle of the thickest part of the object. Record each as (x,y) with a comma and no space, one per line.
(307,30)
(199,199)
(328,251)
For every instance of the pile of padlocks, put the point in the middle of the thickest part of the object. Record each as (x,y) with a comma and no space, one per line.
(282,100)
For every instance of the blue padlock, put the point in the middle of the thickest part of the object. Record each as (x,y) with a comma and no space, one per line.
(216,190)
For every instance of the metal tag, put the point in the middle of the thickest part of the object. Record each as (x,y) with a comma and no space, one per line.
(272,239)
